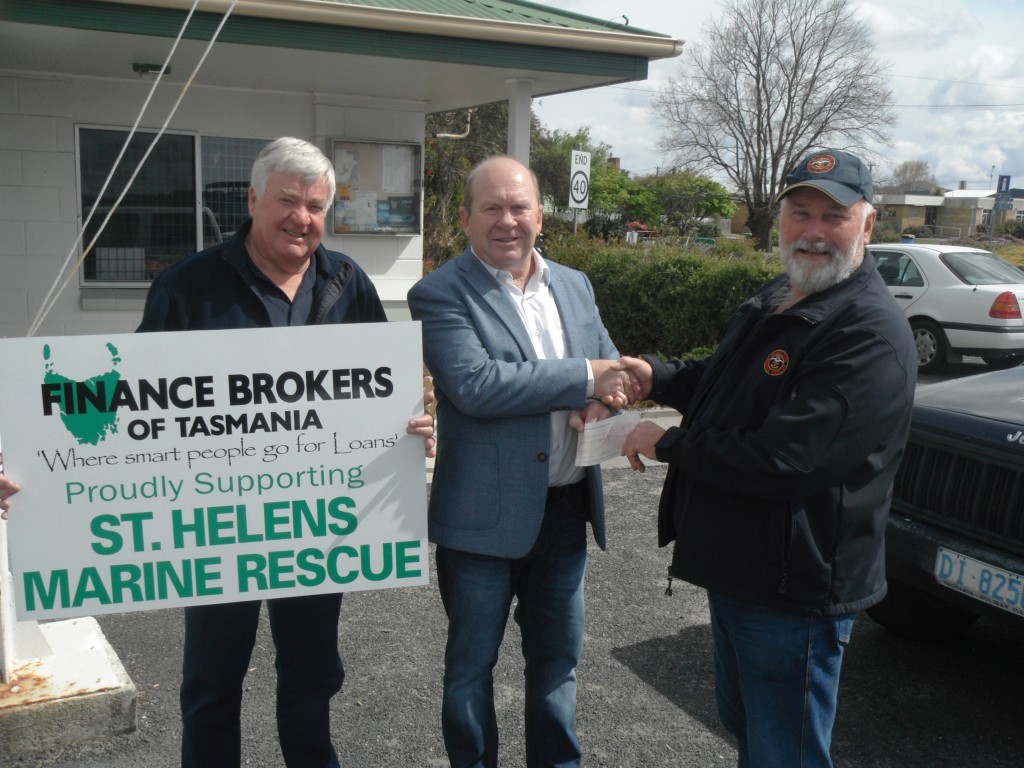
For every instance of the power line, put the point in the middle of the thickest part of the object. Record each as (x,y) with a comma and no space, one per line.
(961,82)
(958,106)
(899,106)
(902,77)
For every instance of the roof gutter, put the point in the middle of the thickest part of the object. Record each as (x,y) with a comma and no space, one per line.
(415,22)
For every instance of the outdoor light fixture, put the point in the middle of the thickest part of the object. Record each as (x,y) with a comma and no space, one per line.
(149,69)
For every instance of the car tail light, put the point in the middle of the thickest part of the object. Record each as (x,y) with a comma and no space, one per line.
(1005,307)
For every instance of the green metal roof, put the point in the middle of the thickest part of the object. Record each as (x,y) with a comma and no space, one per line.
(500,10)
(126,17)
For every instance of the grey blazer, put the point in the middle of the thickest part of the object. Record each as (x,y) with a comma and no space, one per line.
(494,404)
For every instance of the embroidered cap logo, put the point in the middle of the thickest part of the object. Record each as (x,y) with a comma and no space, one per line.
(821,164)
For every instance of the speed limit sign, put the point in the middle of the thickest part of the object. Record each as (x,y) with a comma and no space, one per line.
(579,180)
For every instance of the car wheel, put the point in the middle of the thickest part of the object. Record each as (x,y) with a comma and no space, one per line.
(917,615)
(931,345)
(1006,361)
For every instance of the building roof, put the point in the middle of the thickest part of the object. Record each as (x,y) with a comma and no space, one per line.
(970,193)
(444,53)
(904,198)
(498,10)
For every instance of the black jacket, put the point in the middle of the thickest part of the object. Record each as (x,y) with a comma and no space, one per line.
(780,477)
(213,290)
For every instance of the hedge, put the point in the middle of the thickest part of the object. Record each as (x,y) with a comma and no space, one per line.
(662,298)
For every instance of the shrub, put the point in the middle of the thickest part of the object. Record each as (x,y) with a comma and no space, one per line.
(887,235)
(1013,229)
(665,299)
(708,229)
(737,248)
(556,226)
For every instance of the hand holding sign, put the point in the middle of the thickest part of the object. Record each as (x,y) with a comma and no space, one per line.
(7,489)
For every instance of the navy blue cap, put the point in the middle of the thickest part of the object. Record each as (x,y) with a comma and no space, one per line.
(838,174)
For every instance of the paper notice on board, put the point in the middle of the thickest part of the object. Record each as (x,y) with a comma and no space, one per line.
(602,440)
(366,210)
(398,172)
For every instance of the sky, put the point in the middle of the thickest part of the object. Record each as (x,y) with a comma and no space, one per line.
(956,70)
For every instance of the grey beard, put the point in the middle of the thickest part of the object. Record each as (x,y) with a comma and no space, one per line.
(816,278)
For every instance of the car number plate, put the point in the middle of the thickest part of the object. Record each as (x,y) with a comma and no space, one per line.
(981,581)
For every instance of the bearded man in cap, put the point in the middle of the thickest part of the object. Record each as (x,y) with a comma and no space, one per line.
(780,476)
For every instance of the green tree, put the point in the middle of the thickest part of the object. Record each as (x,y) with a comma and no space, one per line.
(455,142)
(551,159)
(458,140)
(686,198)
(616,199)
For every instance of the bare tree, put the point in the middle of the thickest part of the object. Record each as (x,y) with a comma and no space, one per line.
(773,80)
(910,176)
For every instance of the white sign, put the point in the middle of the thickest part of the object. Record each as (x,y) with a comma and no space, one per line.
(579,180)
(168,469)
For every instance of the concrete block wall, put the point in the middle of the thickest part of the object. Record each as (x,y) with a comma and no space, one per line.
(963,217)
(37,195)
(39,214)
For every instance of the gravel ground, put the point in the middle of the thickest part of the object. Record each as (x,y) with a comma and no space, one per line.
(635,699)
(646,694)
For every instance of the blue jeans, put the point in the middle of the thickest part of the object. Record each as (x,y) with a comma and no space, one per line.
(218,645)
(477,592)
(776,681)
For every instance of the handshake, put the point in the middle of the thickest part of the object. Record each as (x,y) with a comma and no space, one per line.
(618,383)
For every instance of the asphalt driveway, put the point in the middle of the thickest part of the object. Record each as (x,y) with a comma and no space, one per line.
(646,694)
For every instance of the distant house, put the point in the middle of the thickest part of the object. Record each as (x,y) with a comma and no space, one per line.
(955,214)
(902,212)
(356,79)
(738,224)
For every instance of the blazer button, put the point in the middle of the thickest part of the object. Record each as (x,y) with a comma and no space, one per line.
(542,457)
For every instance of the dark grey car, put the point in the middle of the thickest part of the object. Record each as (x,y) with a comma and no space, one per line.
(955,540)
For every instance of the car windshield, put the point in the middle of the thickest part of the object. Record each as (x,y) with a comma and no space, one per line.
(982,268)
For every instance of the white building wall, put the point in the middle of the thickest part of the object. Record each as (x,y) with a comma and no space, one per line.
(39,215)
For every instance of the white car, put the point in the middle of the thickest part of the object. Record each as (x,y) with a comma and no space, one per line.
(959,301)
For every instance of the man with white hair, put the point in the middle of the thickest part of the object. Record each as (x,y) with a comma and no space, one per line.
(273,272)
(780,475)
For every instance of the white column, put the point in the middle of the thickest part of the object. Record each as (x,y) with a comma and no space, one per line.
(520,95)
(19,640)
(64,682)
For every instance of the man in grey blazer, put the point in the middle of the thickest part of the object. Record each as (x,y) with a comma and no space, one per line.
(516,347)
